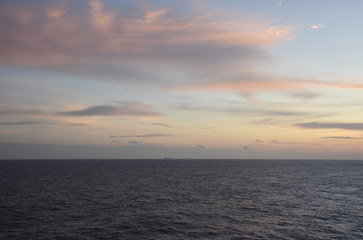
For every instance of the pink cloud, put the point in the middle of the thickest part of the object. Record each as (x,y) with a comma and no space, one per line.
(54,35)
(249,85)
(265,83)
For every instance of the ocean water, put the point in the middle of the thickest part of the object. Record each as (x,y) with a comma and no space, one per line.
(181,199)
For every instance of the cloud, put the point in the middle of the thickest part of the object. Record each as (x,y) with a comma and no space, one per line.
(246,147)
(341,137)
(39,122)
(157,124)
(14,111)
(123,109)
(317,26)
(134,142)
(249,83)
(128,43)
(200,146)
(141,136)
(245,111)
(305,95)
(130,109)
(293,143)
(318,125)
(147,44)
(258,141)
(246,82)
(79,124)
(27,123)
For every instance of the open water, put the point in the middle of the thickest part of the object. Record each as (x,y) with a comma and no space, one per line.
(181,199)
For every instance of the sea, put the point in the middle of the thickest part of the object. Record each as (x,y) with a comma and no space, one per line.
(181,199)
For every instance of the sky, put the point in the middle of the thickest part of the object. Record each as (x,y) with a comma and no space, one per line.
(181,79)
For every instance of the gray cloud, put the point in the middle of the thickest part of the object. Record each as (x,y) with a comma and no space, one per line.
(318,125)
(200,146)
(134,142)
(141,136)
(125,109)
(20,112)
(79,124)
(157,124)
(282,113)
(27,123)
(207,55)
(306,95)
(258,141)
(341,137)
(132,109)
(293,143)
(246,147)
(242,111)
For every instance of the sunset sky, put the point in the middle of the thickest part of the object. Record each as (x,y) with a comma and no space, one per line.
(181,79)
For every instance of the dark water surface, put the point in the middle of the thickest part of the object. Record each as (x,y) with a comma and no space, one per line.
(181,199)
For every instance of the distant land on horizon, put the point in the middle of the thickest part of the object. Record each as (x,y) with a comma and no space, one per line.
(46,151)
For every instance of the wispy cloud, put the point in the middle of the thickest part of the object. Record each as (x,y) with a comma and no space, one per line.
(27,123)
(306,95)
(41,122)
(293,143)
(255,81)
(317,26)
(200,146)
(141,136)
(123,109)
(320,125)
(156,124)
(79,124)
(15,111)
(250,83)
(262,111)
(342,137)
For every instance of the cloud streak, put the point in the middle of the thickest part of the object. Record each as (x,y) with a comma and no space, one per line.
(157,124)
(124,109)
(27,123)
(305,95)
(317,26)
(319,125)
(141,136)
(292,143)
(245,83)
(15,111)
(341,137)
(246,111)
